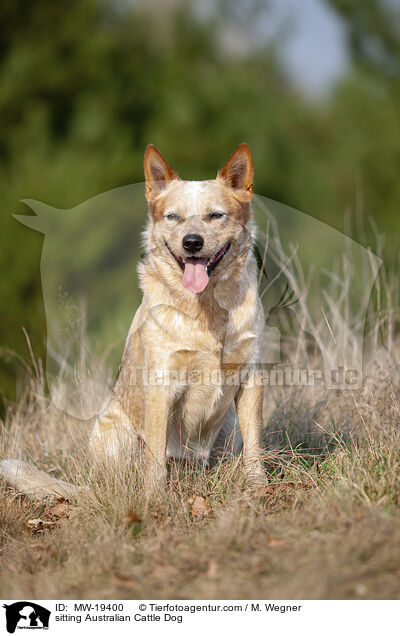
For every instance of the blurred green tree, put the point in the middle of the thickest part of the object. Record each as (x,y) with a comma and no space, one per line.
(86,84)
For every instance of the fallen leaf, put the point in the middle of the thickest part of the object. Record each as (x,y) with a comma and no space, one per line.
(36,526)
(122,580)
(61,510)
(200,507)
(275,542)
(132,517)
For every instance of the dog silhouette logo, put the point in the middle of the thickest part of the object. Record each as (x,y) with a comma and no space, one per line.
(26,615)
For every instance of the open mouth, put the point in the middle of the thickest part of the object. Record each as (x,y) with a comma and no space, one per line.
(197,271)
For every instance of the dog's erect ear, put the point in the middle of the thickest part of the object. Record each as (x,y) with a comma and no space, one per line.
(157,172)
(238,171)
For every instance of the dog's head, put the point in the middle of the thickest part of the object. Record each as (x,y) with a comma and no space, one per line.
(201,225)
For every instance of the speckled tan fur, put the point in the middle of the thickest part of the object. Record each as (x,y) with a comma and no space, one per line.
(177,331)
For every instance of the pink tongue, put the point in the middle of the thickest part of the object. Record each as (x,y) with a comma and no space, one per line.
(195,277)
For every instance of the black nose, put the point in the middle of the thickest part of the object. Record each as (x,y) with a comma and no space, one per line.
(192,243)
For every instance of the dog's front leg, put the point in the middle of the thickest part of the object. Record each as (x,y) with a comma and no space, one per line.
(113,439)
(249,410)
(156,434)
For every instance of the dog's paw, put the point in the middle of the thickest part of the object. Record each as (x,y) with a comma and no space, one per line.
(256,478)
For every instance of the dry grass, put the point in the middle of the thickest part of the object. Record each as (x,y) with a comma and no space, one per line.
(327,525)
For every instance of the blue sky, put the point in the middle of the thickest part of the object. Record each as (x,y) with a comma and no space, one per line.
(315,51)
(311,35)
(314,41)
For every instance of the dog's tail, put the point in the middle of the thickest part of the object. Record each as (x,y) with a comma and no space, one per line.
(35,483)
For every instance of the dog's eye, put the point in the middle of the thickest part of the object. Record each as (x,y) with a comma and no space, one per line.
(215,215)
(172,217)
